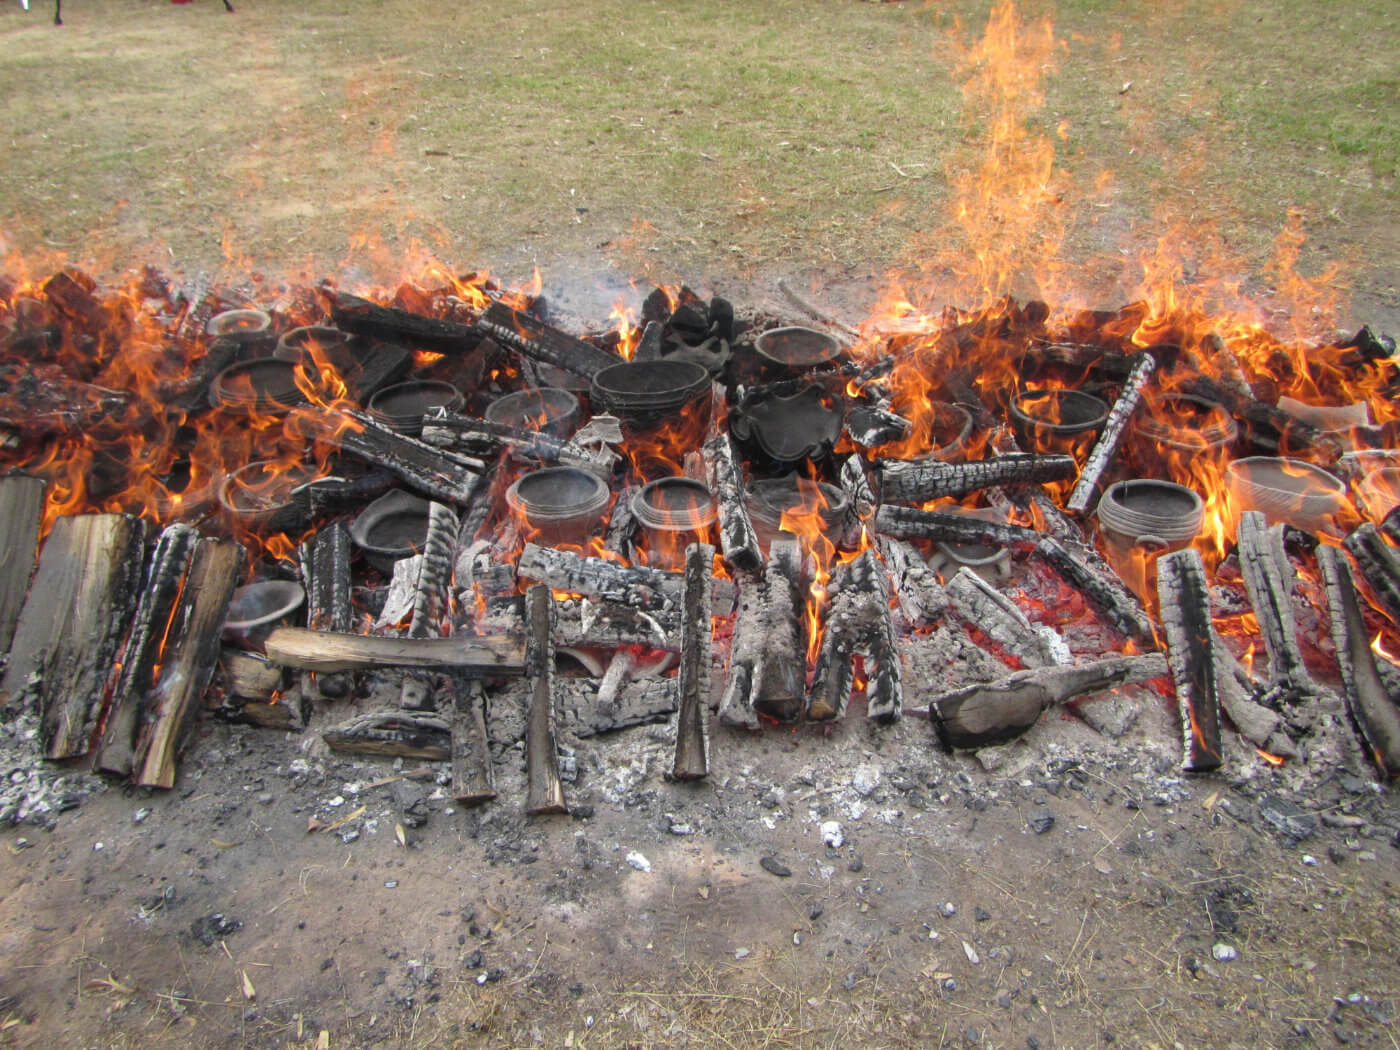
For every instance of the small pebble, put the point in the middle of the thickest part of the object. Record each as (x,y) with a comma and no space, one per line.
(948,910)
(1222,952)
(981,914)
(391,884)
(139,817)
(638,861)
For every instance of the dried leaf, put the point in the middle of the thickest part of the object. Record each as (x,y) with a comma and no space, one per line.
(221,844)
(248,991)
(348,818)
(401,835)
(110,984)
(323,1040)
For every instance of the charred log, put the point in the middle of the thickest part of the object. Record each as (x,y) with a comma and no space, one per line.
(917,482)
(1268,578)
(1380,566)
(546,790)
(1105,450)
(1268,426)
(980,605)
(473,777)
(484,439)
(188,658)
(858,624)
(353,314)
(910,523)
(725,478)
(982,715)
(1193,654)
(768,661)
(431,471)
(540,342)
(430,598)
(639,586)
(1374,714)
(692,756)
(622,524)
(21,507)
(860,502)
(66,640)
(399,733)
(919,596)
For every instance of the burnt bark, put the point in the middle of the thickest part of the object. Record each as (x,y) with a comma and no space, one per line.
(1193,654)
(401,734)
(919,596)
(980,605)
(1373,713)
(860,502)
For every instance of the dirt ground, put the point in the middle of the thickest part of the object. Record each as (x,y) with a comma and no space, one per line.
(1071,890)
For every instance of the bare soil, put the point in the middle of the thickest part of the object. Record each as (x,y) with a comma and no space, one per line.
(331,139)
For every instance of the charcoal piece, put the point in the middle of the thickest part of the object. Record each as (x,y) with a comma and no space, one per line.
(1105,450)
(918,482)
(1193,654)
(692,753)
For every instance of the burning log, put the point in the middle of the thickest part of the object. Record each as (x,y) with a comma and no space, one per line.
(21,507)
(484,656)
(1106,448)
(1269,426)
(1193,654)
(725,476)
(590,622)
(768,663)
(538,341)
(166,579)
(982,715)
(353,314)
(639,586)
(692,758)
(435,473)
(1375,715)
(1390,524)
(396,733)
(482,437)
(917,482)
(1268,577)
(473,777)
(66,640)
(920,597)
(1102,589)
(910,523)
(981,605)
(860,502)
(188,657)
(546,790)
(1379,564)
(858,623)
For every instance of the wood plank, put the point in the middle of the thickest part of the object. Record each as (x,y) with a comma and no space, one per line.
(483,656)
